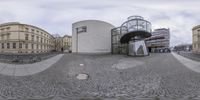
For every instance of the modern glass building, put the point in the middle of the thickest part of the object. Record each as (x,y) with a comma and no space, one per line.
(117,46)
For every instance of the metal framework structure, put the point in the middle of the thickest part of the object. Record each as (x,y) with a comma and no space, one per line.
(134,29)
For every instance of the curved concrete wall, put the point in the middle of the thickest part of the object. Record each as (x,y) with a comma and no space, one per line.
(96,39)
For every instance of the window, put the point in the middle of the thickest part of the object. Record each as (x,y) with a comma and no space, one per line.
(81,29)
(2,29)
(37,46)
(2,37)
(14,45)
(32,38)
(41,40)
(32,30)
(26,36)
(26,29)
(8,36)
(26,46)
(37,38)
(32,46)
(2,45)
(8,28)
(20,45)
(8,45)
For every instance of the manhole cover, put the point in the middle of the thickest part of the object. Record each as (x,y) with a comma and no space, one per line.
(81,64)
(82,76)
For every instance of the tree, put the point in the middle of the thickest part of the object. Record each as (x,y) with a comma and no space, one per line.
(57,42)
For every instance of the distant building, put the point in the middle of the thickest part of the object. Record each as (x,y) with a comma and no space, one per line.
(91,36)
(160,39)
(67,43)
(63,43)
(58,43)
(196,39)
(183,47)
(22,38)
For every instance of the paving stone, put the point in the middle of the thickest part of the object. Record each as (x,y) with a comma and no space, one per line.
(8,71)
(32,70)
(20,72)
(27,69)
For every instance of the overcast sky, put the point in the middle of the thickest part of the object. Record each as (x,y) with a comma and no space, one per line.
(56,16)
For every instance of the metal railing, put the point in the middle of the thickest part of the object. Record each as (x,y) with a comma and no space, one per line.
(135,23)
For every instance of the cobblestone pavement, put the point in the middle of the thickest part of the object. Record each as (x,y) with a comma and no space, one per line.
(156,76)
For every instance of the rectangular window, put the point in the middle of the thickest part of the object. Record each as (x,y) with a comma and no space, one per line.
(32,38)
(8,36)
(33,30)
(26,29)
(41,40)
(2,45)
(2,37)
(20,45)
(2,29)
(37,38)
(37,46)
(8,45)
(8,28)
(26,36)
(14,45)
(81,29)
(32,46)
(26,46)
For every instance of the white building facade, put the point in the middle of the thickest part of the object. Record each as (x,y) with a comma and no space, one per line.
(91,36)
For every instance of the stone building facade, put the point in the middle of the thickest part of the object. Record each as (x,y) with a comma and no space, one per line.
(22,38)
(196,39)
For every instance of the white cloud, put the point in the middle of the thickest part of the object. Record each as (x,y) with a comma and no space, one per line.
(56,16)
